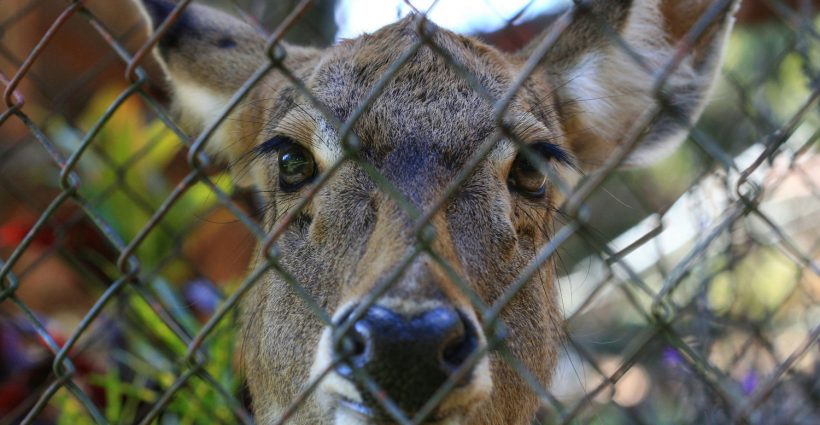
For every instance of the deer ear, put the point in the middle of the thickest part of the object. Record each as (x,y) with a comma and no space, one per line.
(601,90)
(206,56)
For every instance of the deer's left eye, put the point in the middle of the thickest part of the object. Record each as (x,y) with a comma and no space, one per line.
(525,178)
(296,166)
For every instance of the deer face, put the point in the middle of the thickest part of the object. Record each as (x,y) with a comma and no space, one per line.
(414,304)
(353,237)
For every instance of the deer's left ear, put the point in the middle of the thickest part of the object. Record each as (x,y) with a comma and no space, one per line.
(205,47)
(206,56)
(601,89)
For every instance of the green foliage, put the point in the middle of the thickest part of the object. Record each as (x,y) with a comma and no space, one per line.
(145,367)
(128,170)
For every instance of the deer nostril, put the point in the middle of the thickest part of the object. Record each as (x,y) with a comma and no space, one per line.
(352,346)
(456,351)
(359,336)
(409,356)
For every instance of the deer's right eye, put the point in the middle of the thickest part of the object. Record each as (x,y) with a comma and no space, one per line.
(526,179)
(296,165)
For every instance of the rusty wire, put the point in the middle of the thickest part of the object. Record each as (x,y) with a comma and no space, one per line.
(667,306)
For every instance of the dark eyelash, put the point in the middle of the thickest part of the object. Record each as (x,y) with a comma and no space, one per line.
(547,150)
(272,145)
(551,151)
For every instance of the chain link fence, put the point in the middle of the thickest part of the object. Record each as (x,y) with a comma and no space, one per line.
(689,288)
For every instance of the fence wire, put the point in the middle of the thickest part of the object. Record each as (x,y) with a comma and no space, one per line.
(689,289)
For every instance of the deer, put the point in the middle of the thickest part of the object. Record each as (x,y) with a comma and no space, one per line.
(410,321)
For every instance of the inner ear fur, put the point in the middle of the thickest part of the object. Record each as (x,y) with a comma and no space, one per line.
(205,46)
(602,90)
(207,55)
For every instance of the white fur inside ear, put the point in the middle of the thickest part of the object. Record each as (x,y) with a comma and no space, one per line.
(200,107)
(611,89)
(592,89)
(204,104)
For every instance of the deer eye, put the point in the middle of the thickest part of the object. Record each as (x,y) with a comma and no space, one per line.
(296,165)
(525,178)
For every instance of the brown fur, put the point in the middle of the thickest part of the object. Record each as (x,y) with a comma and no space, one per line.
(418,134)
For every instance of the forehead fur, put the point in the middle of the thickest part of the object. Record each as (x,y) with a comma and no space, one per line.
(427,102)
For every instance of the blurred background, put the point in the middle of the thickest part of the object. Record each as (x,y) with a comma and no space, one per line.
(691,294)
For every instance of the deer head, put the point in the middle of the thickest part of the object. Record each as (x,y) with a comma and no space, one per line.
(423,301)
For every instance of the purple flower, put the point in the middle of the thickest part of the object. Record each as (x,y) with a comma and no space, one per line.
(749,383)
(12,351)
(202,296)
(672,357)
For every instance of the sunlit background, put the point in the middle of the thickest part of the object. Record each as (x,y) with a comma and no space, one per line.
(355,17)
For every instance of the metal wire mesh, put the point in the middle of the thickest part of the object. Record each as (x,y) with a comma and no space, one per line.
(695,302)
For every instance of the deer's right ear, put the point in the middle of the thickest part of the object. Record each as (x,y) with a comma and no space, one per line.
(206,55)
(605,84)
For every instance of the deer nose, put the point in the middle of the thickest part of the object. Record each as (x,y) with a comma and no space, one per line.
(409,357)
